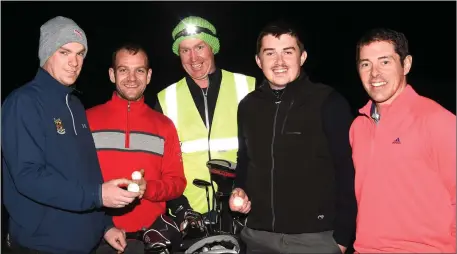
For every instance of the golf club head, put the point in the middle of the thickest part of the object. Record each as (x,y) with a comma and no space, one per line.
(221,164)
(201,183)
(223,174)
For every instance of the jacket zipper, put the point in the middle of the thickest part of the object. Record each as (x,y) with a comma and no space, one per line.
(208,127)
(205,100)
(273,166)
(71,113)
(127,132)
(375,124)
(285,119)
(372,147)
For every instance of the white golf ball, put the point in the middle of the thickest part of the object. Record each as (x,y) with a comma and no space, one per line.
(136,175)
(133,187)
(238,201)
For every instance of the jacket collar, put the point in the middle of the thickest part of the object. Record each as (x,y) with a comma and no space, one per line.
(400,105)
(214,80)
(124,104)
(46,80)
(290,88)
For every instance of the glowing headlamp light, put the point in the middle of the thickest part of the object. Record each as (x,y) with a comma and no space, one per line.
(192,30)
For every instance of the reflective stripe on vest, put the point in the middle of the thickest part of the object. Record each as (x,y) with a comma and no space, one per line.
(172,106)
(242,88)
(217,145)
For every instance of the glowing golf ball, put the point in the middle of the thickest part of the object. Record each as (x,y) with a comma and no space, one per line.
(133,187)
(238,201)
(136,175)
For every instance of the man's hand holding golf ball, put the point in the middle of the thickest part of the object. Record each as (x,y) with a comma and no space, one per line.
(139,183)
(239,201)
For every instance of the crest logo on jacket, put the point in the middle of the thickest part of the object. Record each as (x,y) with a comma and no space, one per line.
(59,126)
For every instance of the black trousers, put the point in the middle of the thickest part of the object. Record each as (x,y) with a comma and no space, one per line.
(137,247)
(17,249)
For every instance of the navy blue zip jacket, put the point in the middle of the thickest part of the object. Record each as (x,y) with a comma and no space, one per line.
(51,175)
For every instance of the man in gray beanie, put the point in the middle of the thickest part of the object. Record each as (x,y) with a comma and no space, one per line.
(58,34)
(53,188)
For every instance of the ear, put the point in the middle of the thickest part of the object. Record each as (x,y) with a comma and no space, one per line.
(149,76)
(303,57)
(407,64)
(112,77)
(257,60)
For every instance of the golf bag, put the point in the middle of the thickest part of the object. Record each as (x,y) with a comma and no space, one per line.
(215,240)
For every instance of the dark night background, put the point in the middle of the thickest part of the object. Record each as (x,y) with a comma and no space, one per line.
(330,31)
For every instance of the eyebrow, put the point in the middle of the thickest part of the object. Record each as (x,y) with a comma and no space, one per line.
(83,50)
(140,67)
(187,47)
(288,48)
(379,58)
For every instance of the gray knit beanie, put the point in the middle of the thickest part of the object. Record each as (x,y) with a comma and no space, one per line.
(57,32)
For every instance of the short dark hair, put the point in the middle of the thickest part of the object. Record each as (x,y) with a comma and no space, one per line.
(278,28)
(397,39)
(132,48)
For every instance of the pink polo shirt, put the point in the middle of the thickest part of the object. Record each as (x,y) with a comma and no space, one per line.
(405,177)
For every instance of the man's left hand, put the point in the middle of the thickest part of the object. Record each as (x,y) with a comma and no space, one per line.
(116,238)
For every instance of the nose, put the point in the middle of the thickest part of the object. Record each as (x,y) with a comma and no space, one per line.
(374,72)
(193,55)
(279,59)
(132,76)
(73,61)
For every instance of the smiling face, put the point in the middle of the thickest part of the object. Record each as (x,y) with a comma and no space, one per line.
(197,58)
(131,74)
(280,59)
(382,72)
(66,63)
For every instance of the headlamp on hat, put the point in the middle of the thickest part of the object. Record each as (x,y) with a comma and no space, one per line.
(195,27)
(193,30)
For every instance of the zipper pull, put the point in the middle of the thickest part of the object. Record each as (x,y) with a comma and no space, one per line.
(128,107)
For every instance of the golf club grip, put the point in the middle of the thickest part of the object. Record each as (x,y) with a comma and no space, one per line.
(209,208)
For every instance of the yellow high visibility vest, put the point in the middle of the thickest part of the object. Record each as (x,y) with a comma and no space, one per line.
(177,104)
